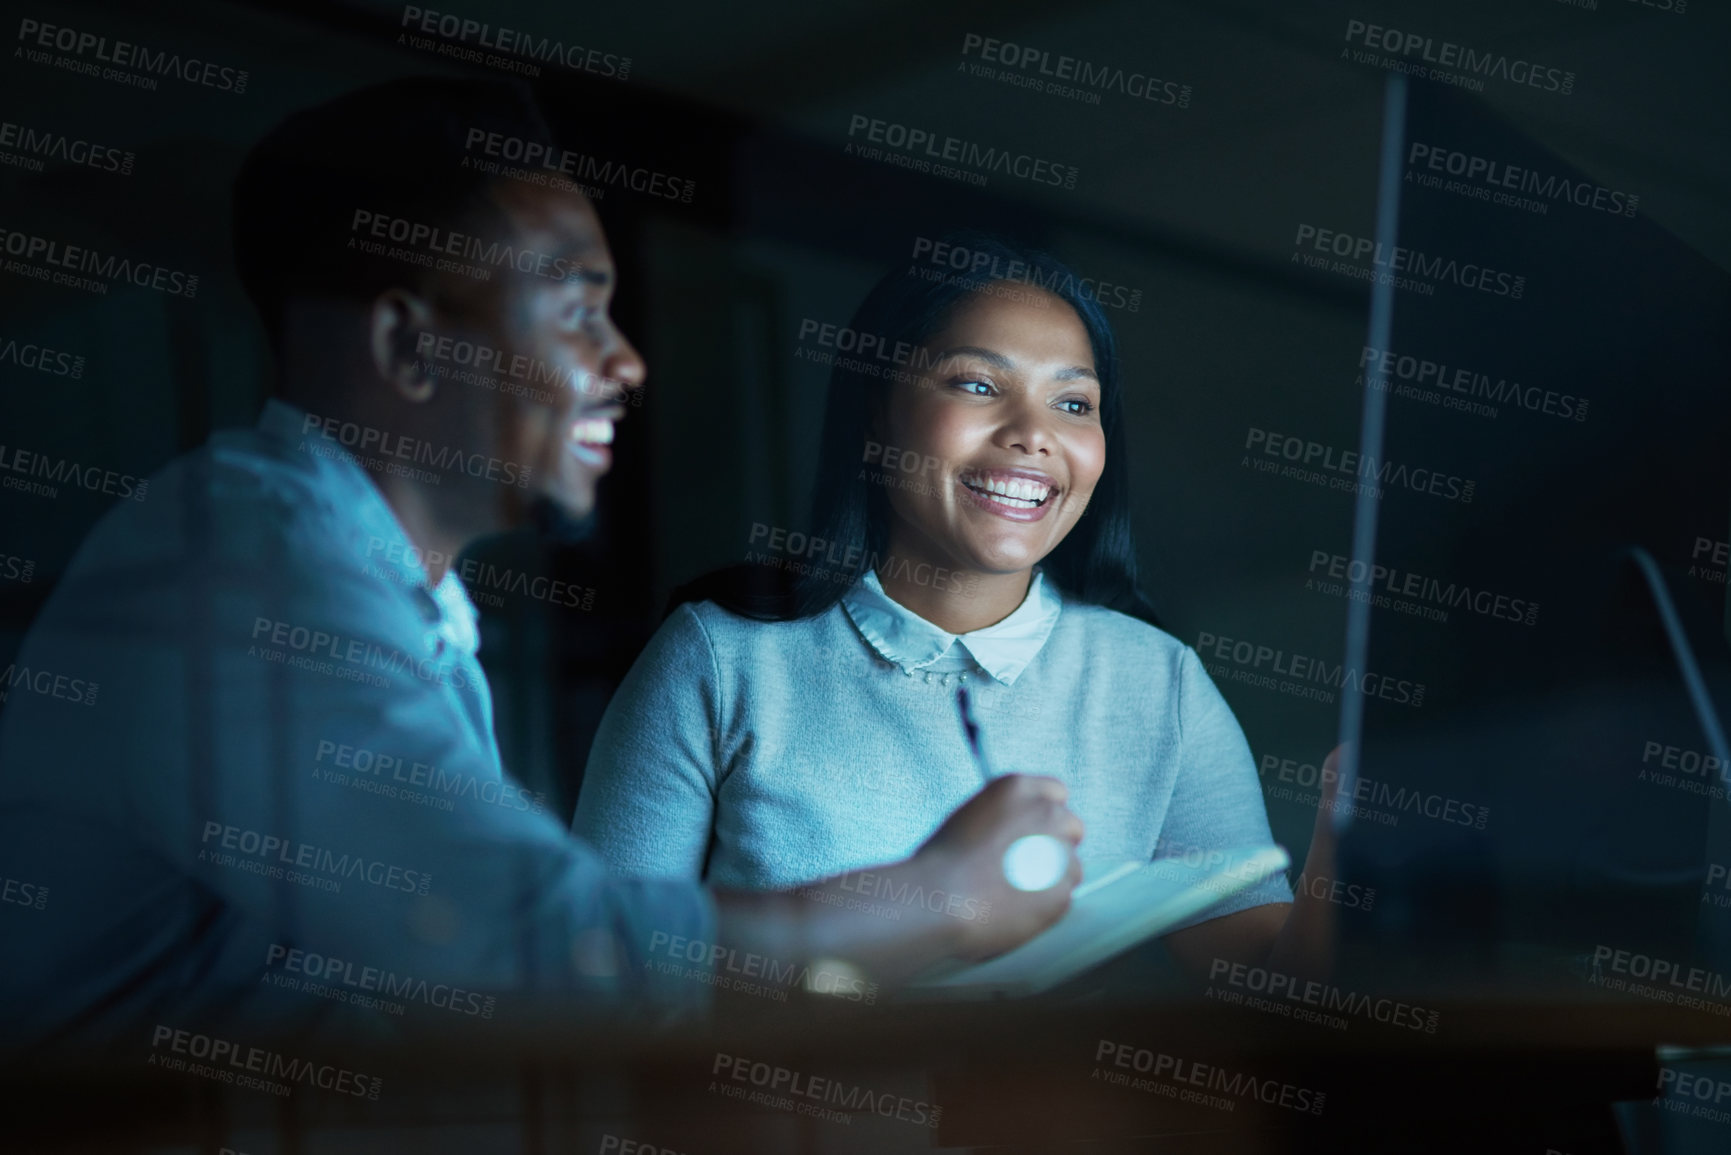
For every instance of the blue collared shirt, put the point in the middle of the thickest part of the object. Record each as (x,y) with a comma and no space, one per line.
(250,736)
(908,641)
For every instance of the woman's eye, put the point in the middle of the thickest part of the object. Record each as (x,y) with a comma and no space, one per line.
(1077,406)
(977,388)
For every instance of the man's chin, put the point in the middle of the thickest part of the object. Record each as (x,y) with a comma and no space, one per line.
(562,520)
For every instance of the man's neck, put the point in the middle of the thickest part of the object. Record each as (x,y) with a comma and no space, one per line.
(418,511)
(436,527)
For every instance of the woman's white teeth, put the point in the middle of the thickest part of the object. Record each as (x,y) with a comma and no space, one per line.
(593,431)
(1016,491)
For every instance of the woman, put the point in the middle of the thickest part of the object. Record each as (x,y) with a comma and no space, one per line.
(974,506)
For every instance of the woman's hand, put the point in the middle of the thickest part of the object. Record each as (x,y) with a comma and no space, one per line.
(1305,945)
(1298,939)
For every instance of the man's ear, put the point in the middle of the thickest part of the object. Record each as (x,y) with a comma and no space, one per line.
(401,324)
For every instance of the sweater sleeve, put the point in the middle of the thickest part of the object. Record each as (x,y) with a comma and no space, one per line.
(648,797)
(1216,799)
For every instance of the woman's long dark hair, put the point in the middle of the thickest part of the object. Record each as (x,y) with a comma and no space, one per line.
(1096,561)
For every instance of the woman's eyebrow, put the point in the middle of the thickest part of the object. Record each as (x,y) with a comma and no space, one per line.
(996,360)
(999,361)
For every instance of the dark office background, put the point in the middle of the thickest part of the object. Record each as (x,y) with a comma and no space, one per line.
(1193,206)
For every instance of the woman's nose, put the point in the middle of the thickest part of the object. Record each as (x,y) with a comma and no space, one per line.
(1026,430)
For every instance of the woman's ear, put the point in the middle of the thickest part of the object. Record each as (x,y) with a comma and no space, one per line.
(400,320)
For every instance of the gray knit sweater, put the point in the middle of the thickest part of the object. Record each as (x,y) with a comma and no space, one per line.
(760,755)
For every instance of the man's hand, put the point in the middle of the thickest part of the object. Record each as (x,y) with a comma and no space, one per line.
(966,857)
(950,900)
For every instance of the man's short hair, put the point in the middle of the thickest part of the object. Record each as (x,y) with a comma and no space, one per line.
(399,150)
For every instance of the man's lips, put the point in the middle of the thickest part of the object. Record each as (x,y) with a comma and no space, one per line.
(592,431)
(589,436)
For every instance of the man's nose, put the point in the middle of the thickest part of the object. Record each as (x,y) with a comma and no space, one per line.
(625,365)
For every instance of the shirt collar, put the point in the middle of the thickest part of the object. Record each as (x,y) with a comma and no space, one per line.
(901,636)
(375,534)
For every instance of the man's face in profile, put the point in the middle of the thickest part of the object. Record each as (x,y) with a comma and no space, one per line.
(576,369)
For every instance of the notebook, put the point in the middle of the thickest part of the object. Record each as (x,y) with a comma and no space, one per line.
(1117,906)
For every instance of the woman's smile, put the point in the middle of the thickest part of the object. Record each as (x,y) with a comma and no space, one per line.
(1016,494)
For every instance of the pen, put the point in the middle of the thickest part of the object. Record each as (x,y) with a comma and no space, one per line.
(971,731)
(1033,861)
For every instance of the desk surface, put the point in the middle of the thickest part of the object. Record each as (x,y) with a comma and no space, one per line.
(819,1076)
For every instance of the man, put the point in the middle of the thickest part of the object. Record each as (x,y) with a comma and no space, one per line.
(281,753)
